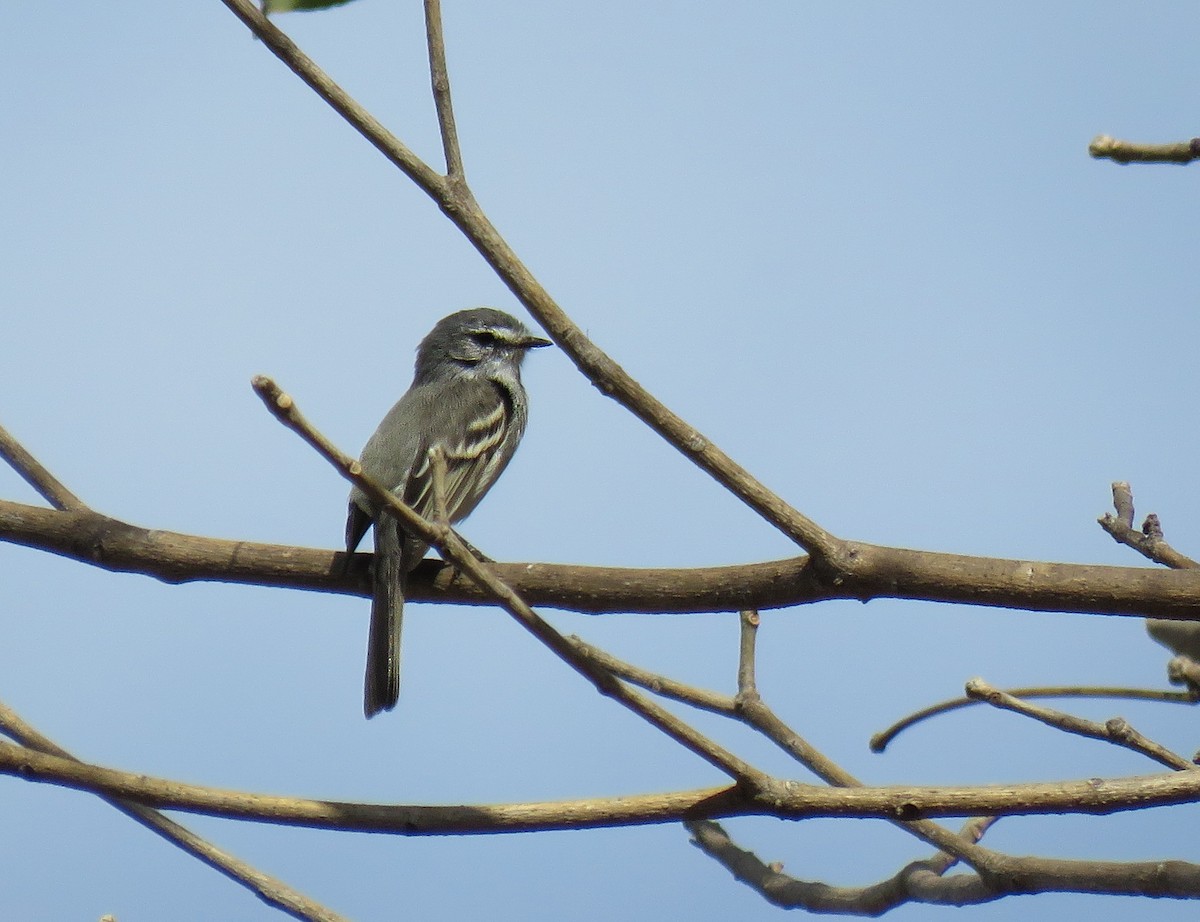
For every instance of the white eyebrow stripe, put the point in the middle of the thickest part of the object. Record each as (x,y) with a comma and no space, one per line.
(504,334)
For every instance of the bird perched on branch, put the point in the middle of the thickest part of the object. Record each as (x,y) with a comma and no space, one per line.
(467,404)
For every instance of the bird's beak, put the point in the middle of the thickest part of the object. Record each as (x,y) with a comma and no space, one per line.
(535,342)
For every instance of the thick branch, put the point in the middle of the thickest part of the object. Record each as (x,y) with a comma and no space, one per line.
(788,800)
(879,572)
(98,540)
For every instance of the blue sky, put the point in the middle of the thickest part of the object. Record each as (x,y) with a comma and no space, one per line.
(861,247)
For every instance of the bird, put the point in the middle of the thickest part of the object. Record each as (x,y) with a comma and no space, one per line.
(466,401)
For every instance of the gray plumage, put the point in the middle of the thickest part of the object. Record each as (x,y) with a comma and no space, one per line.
(467,399)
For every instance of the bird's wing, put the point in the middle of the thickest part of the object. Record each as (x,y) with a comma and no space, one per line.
(387,459)
(473,431)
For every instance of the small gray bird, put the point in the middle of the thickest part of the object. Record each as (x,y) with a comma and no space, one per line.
(466,399)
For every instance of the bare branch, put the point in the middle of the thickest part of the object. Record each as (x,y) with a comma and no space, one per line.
(1115,730)
(1180,637)
(755,713)
(880,572)
(748,622)
(1123,502)
(270,890)
(440,78)
(665,686)
(98,540)
(789,800)
(320,83)
(749,708)
(1148,542)
(31,470)
(1105,148)
(880,741)
(921,882)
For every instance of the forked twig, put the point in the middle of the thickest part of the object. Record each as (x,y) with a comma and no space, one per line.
(31,470)
(748,708)
(1149,541)
(1182,636)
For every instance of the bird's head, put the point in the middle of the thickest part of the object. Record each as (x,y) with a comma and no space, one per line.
(479,337)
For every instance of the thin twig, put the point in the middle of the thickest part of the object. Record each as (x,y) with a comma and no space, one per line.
(748,707)
(880,741)
(270,890)
(1123,502)
(283,408)
(753,711)
(1115,730)
(412,166)
(701,698)
(440,78)
(31,470)
(759,716)
(748,621)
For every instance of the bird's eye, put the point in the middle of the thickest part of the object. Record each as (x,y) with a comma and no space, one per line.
(485,337)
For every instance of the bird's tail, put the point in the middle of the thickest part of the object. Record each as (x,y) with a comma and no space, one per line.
(381,688)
